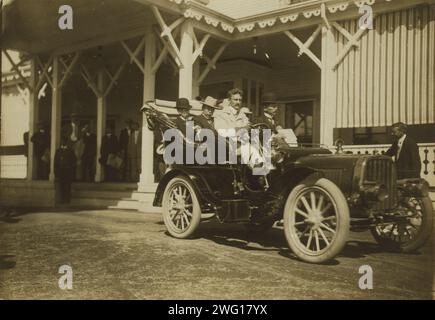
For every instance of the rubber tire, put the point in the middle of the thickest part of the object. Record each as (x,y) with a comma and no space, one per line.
(419,241)
(196,209)
(343,220)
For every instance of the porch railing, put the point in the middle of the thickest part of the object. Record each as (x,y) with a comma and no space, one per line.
(13,167)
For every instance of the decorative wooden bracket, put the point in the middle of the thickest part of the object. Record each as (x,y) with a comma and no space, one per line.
(199,46)
(112,80)
(68,68)
(15,67)
(167,34)
(211,64)
(304,47)
(345,33)
(351,43)
(164,51)
(44,68)
(90,81)
(324,17)
(133,54)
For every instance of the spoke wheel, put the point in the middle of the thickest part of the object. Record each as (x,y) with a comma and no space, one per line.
(316,220)
(408,234)
(181,210)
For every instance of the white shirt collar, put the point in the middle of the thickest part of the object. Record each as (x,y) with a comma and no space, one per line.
(400,142)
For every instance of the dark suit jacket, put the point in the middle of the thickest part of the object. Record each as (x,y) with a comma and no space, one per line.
(181,124)
(409,163)
(267,121)
(108,145)
(204,123)
(123,141)
(41,142)
(64,164)
(90,142)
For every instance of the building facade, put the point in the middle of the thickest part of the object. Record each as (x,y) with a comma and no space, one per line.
(341,69)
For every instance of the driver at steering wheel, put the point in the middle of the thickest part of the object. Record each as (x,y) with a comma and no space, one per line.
(270,109)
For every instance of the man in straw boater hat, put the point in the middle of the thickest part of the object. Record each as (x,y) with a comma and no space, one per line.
(205,120)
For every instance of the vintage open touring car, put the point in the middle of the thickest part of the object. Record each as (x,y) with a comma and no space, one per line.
(320,197)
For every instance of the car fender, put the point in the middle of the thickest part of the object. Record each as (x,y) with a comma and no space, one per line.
(203,191)
(292,177)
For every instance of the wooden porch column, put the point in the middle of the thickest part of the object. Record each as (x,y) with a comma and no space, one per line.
(196,73)
(33,119)
(56,112)
(101,124)
(328,87)
(186,71)
(146,183)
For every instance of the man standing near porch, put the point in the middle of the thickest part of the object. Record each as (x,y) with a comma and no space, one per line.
(124,138)
(109,146)
(134,153)
(89,153)
(404,151)
(41,145)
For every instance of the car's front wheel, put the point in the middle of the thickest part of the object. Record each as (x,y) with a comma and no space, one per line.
(316,220)
(181,209)
(410,233)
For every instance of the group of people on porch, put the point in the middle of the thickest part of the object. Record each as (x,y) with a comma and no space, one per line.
(82,143)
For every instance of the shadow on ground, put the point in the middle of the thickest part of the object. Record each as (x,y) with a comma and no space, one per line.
(5,262)
(274,240)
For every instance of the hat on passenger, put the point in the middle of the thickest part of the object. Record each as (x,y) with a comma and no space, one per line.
(183,104)
(211,102)
(269,97)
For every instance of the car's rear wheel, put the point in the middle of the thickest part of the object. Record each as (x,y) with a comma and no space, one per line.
(316,220)
(408,234)
(181,209)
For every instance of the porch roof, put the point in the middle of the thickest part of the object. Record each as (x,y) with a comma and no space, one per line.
(32,26)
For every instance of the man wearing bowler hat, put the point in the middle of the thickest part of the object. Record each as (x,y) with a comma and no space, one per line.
(183,107)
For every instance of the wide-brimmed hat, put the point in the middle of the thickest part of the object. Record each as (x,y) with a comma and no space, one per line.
(269,97)
(183,104)
(211,102)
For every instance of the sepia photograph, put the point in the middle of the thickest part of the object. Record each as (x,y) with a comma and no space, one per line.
(231,151)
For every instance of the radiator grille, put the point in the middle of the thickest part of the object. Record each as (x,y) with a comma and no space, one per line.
(383,171)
